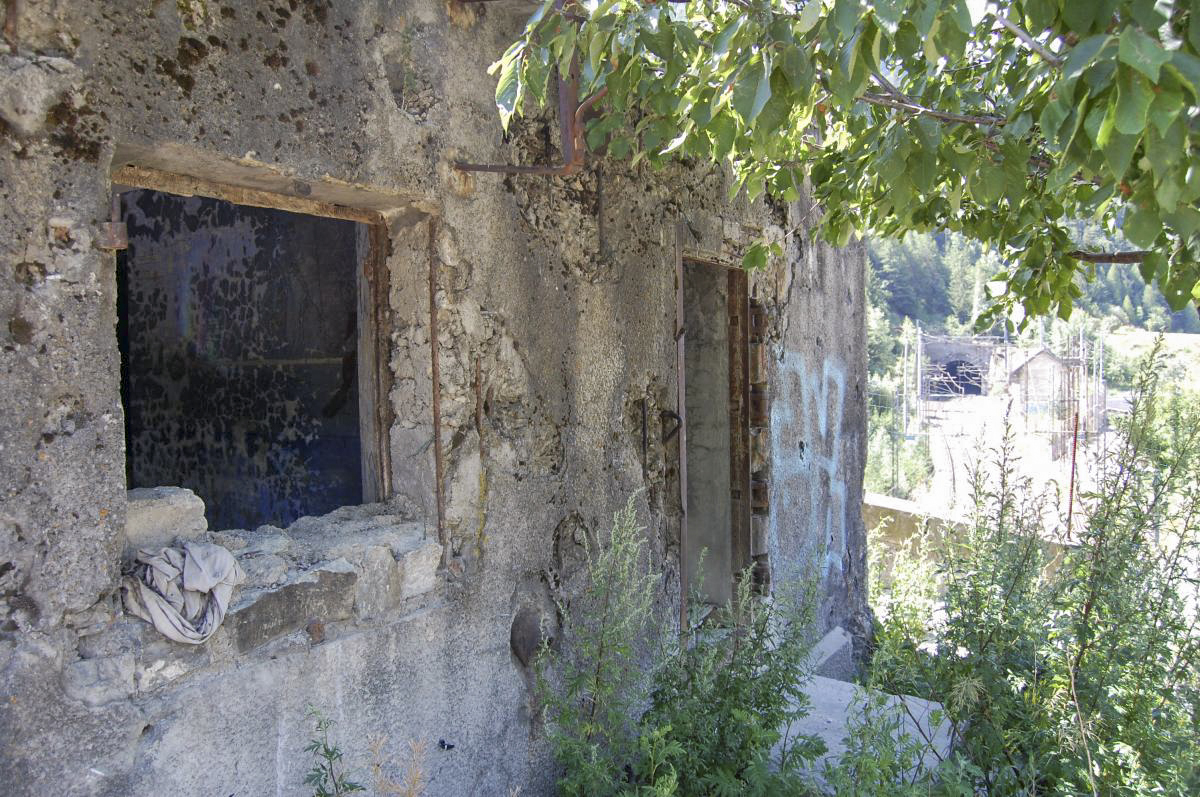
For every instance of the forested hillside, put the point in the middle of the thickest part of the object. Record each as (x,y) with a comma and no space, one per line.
(941,281)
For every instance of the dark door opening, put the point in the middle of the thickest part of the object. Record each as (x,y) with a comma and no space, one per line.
(716,398)
(238,330)
(958,378)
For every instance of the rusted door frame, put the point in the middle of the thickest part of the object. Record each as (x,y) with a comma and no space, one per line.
(375,412)
(738,310)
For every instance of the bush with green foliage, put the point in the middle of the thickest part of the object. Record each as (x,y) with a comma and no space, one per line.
(633,709)
(1078,678)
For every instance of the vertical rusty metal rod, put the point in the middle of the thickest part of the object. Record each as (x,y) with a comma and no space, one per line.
(11,9)
(436,373)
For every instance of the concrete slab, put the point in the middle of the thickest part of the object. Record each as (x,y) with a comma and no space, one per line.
(835,703)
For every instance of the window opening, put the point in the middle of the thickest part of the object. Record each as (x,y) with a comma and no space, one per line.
(239,335)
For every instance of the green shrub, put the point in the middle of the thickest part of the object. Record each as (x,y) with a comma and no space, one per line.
(632,708)
(1075,679)
(593,692)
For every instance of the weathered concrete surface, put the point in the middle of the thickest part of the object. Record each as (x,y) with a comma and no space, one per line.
(558,293)
(156,516)
(817,435)
(833,655)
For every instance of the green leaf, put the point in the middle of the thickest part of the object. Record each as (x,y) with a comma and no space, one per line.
(537,16)
(1142,53)
(1134,96)
(1118,152)
(721,43)
(1079,14)
(810,15)
(798,69)
(722,129)
(1083,54)
(987,183)
(1142,227)
(755,257)
(1165,109)
(1193,32)
(1154,263)
(931,51)
(1164,151)
(888,12)
(846,14)
(1053,115)
(1187,66)
(508,87)
(752,90)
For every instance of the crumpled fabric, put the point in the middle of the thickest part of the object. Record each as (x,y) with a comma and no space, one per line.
(183,592)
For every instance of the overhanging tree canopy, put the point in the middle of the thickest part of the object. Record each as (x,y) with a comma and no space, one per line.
(1003,122)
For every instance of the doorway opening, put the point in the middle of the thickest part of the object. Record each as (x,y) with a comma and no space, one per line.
(716,419)
(241,340)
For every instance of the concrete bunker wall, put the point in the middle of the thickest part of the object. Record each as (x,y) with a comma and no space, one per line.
(553,323)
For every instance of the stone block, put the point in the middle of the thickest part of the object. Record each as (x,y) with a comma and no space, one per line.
(98,681)
(325,593)
(380,583)
(420,569)
(156,516)
(833,656)
(263,569)
(164,662)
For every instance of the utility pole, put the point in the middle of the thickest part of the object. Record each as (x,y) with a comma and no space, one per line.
(895,447)
(920,384)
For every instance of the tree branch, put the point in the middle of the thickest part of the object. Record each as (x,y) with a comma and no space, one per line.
(1030,42)
(1108,257)
(945,116)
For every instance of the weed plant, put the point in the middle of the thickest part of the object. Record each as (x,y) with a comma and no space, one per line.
(1079,678)
(328,776)
(633,708)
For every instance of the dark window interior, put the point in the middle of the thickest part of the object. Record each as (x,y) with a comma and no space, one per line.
(238,336)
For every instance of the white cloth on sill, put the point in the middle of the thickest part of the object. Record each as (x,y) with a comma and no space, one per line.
(183,592)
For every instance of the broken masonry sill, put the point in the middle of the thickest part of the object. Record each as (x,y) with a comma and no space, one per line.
(356,562)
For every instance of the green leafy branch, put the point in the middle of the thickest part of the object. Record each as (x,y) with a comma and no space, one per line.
(911,115)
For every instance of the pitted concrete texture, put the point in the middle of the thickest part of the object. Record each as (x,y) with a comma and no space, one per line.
(158,516)
(554,301)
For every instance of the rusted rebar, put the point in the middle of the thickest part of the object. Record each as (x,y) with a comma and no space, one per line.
(435,370)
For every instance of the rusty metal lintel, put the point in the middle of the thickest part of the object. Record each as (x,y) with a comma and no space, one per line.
(435,369)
